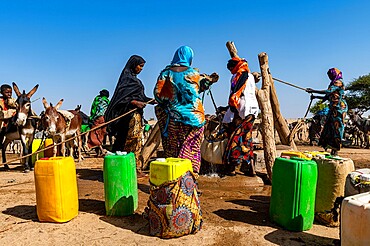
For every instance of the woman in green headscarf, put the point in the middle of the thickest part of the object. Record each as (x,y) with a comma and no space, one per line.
(98,108)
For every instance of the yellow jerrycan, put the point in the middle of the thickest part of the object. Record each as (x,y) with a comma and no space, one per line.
(56,189)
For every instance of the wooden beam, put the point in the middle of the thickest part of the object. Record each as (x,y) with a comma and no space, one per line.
(263,97)
(232,49)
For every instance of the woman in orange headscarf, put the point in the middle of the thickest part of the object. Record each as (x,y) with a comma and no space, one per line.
(241,113)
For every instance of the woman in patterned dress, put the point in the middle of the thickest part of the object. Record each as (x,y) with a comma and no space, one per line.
(240,115)
(180,111)
(332,134)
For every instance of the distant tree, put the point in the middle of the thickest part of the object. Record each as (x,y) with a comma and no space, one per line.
(319,105)
(358,93)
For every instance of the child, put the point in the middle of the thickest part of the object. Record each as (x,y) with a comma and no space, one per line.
(7,110)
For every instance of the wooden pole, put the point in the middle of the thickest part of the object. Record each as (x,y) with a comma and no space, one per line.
(263,97)
(151,145)
(232,49)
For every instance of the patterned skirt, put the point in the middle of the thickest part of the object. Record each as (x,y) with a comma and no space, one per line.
(332,134)
(134,138)
(174,208)
(180,140)
(239,148)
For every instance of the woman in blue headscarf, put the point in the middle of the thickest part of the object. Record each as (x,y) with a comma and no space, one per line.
(180,111)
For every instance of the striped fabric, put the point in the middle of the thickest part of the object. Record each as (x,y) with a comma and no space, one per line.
(182,141)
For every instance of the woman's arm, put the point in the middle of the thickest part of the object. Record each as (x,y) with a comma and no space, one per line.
(318,97)
(310,90)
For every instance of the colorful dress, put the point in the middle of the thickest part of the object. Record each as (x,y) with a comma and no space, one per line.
(180,111)
(98,108)
(332,134)
(240,116)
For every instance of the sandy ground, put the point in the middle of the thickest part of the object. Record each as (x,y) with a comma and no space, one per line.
(235,212)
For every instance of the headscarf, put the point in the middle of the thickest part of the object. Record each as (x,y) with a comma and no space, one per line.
(334,74)
(183,56)
(239,68)
(104,93)
(128,88)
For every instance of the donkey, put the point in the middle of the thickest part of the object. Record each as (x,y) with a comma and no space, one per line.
(362,124)
(55,123)
(22,126)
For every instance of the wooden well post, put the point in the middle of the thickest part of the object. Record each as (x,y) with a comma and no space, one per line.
(268,130)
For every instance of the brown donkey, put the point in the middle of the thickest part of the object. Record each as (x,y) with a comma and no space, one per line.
(62,125)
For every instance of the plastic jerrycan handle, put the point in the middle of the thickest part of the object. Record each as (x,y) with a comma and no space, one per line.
(298,158)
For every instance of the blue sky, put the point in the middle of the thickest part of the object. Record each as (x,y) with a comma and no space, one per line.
(73,49)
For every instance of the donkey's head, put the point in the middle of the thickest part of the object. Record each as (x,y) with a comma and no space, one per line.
(24,104)
(354,115)
(51,116)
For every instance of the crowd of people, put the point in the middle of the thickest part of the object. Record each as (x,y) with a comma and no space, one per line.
(181,119)
(181,116)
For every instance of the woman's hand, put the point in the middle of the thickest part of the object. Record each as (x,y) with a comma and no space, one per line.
(309,90)
(138,104)
(214,77)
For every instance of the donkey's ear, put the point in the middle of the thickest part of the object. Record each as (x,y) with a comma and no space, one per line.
(29,94)
(16,89)
(46,105)
(59,104)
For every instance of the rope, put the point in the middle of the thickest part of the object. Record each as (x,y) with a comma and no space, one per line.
(209,92)
(290,84)
(309,106)
(213,100)
(78,135)
(300,122)
(284,82)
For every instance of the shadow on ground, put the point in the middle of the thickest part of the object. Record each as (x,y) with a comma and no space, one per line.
(26,212)
(90,174)
(288,238)
(13,168)
(92,206)
(144,188)
(136,223)
(256,212)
